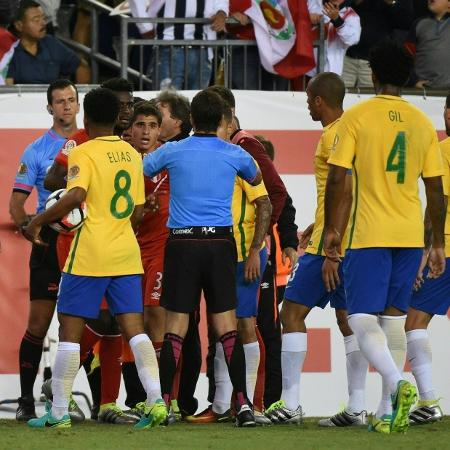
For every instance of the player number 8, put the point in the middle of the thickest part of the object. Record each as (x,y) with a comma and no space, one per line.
(122,191)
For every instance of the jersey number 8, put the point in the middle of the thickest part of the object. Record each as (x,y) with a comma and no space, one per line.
(122,192)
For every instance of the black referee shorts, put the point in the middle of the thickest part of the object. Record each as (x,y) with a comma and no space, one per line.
(44,268)
(196,259)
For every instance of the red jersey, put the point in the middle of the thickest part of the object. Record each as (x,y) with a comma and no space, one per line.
(78,138)
(153,230)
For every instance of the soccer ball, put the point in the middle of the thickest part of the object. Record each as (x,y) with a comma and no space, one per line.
(70,222)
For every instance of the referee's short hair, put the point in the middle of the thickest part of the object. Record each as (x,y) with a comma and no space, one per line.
(207,111)
(101,107)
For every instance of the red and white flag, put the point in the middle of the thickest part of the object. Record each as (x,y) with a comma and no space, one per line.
(8,43)
(284,36)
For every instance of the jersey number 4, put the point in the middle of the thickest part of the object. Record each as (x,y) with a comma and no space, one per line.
(397,157)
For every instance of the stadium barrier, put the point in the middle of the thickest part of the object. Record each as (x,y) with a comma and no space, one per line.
(281,117)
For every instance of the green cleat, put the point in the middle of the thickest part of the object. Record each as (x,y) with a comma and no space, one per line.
(381,425)
(48,421)
(153,415)
(402,401)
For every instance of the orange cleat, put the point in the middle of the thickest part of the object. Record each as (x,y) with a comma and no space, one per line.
(209,416)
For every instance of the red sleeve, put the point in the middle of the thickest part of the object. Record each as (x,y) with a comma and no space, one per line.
(274,185)
(62,158)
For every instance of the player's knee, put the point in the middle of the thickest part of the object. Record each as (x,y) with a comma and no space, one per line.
(342,322)
(246,329)
(293,316)
(417,320)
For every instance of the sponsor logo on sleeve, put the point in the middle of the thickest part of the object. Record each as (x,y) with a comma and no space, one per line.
(69,145)
(23,169)
(73,173)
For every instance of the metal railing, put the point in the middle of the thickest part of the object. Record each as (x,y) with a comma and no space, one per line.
(224,47)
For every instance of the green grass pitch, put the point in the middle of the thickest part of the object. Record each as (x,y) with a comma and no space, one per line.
(89,435)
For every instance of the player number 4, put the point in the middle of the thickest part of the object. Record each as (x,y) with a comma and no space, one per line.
(397,157)
(122,184)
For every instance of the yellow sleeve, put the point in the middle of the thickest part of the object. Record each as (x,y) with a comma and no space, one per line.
(446,177)
(327,143)
(344,144)
(79,170)
(433,166)
(140,194)
(254,192)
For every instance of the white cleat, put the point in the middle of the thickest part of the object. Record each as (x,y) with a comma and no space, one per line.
(345,419)
(277,413)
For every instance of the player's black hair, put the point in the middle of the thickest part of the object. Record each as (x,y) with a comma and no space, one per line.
(328,86)
(24,6)
(137,100)
(225,93)
(118,85)
(59,84)
(146,108)
(391,63)
(268,146)
(179,108)
(101,106)
(207,110)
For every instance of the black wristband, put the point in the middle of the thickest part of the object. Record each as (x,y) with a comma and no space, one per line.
(338,22)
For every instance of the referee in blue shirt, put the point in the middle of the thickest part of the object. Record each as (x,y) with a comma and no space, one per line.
(200,252)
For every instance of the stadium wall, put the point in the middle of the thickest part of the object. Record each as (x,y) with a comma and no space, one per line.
(281,117)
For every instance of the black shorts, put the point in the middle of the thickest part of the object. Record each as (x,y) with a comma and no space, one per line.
(204,258)
(44,268)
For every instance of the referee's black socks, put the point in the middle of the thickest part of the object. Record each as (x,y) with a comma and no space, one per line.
(235,359)
(170,356)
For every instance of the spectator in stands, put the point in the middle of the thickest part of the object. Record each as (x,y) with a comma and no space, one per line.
(170,71)
(379,18)
(8,41)
(41,59)
(343,30)
(429,40)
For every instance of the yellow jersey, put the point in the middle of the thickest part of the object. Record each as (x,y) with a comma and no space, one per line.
(388,143)
(445,148)
(244,214)
(323,151)
(110,171)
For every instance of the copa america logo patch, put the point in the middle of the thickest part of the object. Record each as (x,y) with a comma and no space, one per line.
(73,172)
(69,145)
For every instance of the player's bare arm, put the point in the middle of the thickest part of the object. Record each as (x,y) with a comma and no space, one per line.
(62,207)
(252,269)
(306,236)
(330,267)
(334,194)
(437,211)
(137,216)
(17,208)
(56,177)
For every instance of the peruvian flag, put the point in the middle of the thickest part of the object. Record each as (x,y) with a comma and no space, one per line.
(284,36)
(8,43)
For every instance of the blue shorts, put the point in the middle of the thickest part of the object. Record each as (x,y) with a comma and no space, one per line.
(81,296)
(247,293)
(305,285)
(434,295)
(376,278)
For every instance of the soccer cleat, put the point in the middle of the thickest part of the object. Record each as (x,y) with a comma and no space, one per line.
(209,416)
(153,415)
(427,411)
(402,400)
(277,413)
(245,417)
(175,410)
(75,412)
(381,425)
(111,413)
(48,421)
(261,419)
(345,419)
(26,410)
